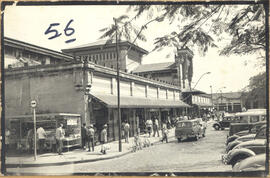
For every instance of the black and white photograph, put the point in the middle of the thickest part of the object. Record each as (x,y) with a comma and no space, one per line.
(135,88)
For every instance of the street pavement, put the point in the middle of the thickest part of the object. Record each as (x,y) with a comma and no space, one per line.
(188,156)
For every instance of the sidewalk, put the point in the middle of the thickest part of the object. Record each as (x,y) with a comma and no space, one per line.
(78,155)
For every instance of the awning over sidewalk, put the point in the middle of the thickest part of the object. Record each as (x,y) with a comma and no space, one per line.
(203,104)
(134,102)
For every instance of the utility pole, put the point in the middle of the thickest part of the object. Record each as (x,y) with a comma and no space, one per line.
(118,86)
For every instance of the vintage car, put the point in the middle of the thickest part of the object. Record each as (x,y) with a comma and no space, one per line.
(189,129)
(254,128)
(261,134)
(253,163)
(246,119)
(225,122)
(245,150)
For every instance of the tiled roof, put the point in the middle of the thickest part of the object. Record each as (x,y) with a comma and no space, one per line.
(104,43)
(153,67)
(37,49)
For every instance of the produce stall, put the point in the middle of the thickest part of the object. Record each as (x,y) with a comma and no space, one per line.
(20,127)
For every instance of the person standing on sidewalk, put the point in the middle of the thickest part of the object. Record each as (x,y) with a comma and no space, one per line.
(155,127)
(41,135)
(164,133)
(103,139)
(59,135)
(126,130)
(149,125)
(90,137)
(83,135)
(30,140)
(7,135)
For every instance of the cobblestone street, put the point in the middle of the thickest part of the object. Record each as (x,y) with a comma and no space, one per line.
(188,156)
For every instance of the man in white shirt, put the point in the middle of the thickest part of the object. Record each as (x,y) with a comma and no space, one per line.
(41,136)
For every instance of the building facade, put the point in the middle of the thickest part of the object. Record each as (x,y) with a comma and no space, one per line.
(178,73)
(201,102)
(104,53)
(61,88)
(230,102)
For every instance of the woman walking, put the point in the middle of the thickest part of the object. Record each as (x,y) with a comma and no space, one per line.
(103,139)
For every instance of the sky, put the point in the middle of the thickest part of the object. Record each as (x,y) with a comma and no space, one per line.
(29,23)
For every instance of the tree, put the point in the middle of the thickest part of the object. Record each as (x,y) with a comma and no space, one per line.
(256,90)
(202,26)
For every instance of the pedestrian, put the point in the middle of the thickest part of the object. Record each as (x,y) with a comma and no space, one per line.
(103,139)
(126,130)
(59,135)
(83,135)
(122,129)
(41,136)
(149,125)
(164,133)
(7,135)
(30,140)
(155,128)
(138,124)
(90,137)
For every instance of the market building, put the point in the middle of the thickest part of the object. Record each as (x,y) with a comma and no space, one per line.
(229,102)
(70,88)
(200,101)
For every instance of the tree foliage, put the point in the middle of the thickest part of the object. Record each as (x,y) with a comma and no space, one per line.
(201,26)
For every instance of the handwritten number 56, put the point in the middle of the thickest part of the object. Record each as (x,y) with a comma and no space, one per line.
(68,31)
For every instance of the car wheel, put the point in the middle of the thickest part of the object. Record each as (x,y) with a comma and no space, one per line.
(217,127)
(196,137)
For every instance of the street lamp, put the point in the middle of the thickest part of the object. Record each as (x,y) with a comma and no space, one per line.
(200,78)
(212,97)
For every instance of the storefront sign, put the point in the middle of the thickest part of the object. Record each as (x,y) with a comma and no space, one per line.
(72,121)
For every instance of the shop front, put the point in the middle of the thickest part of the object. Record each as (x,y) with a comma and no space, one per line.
(135,111)
(21,126)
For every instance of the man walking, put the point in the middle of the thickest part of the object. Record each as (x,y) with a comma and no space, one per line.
(83,135)
(41,135)
(155,128)
(59,135)
(90,137)
(164,133)
(149,125)
(126,130)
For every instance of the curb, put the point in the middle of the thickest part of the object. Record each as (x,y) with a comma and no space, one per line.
(71,162)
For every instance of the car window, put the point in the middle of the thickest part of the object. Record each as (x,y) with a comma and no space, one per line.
(184,124)
(261,133)
(254,119)
(244,119)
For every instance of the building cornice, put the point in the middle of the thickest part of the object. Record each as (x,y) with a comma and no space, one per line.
(90,66)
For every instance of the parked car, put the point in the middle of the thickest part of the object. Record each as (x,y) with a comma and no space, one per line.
(245,150)
(225,122)
(189,129)
(253,163)
(254,128)
(246,120)
(261,134)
